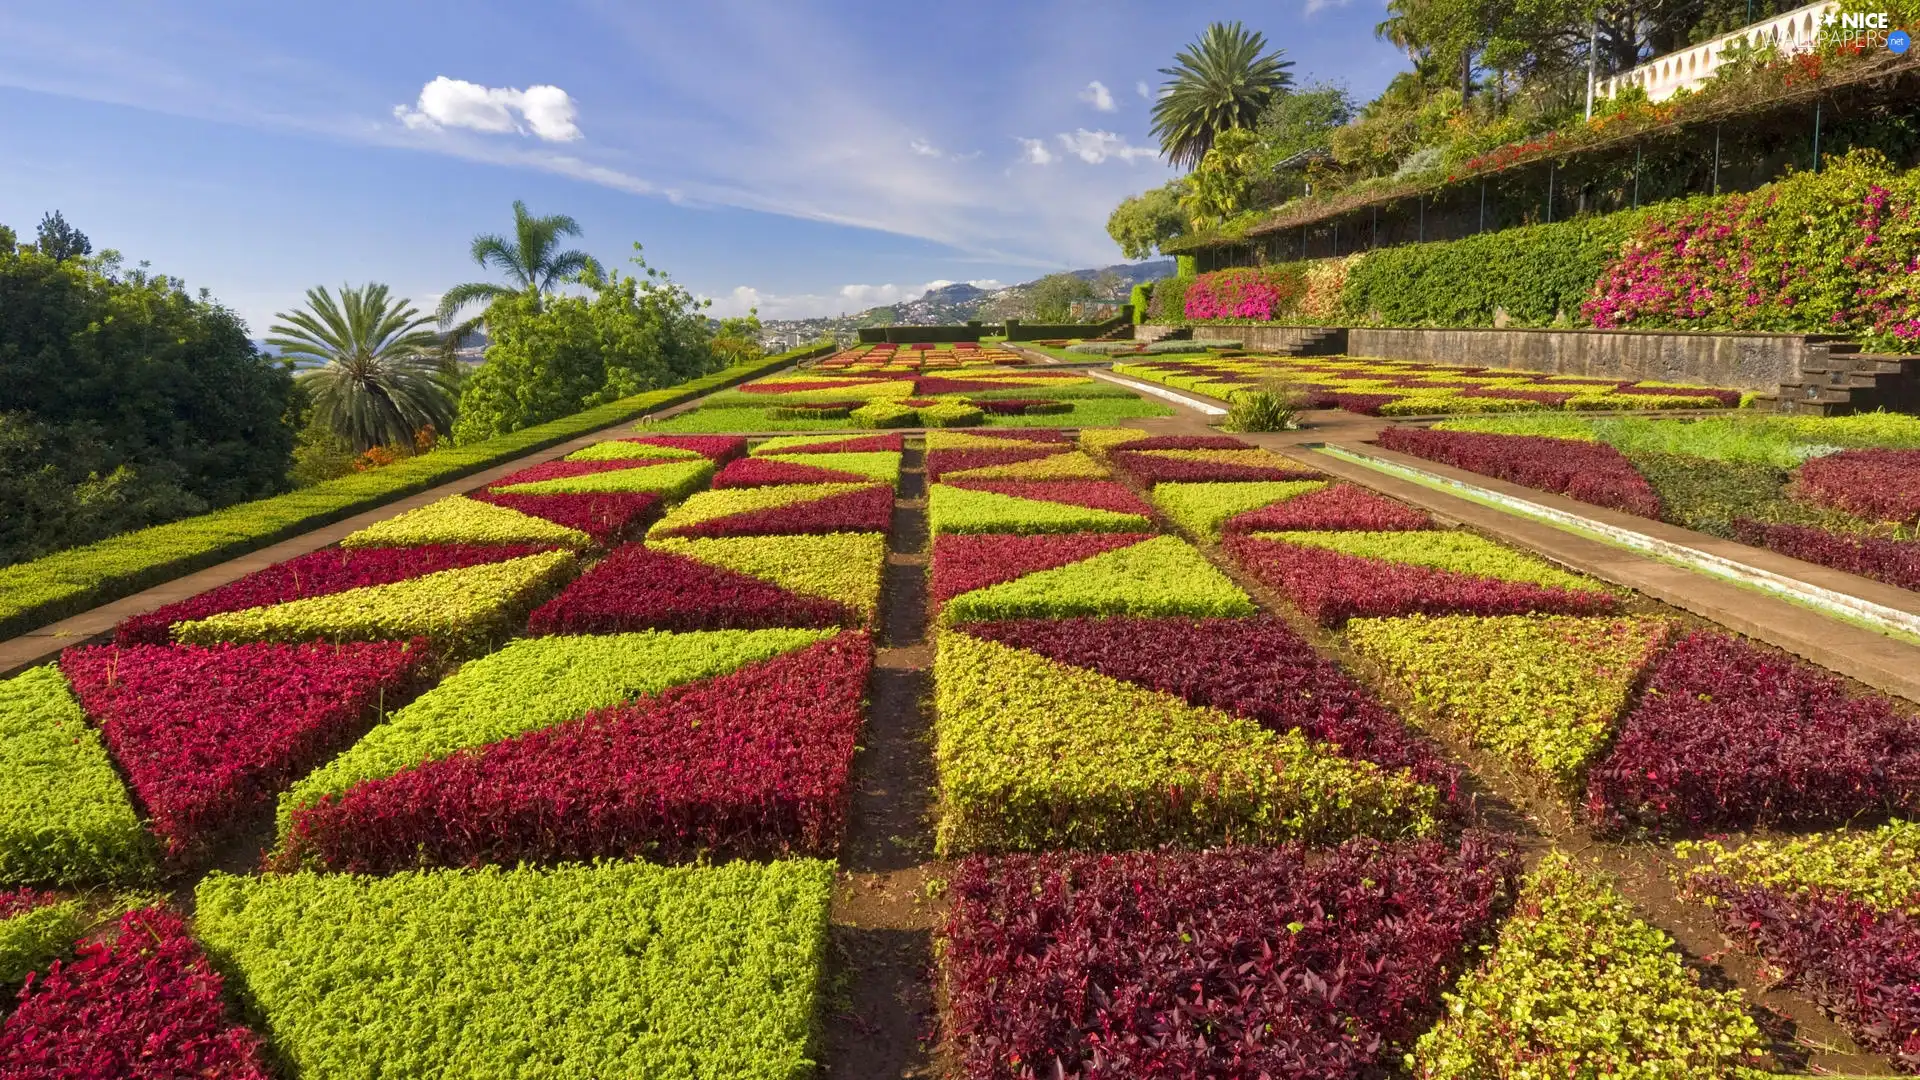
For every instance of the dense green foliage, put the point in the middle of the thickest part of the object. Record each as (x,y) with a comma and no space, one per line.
(1536,275)
(457,519)
(1157,577)
(1203,509)
(127,402)
(376,384)
(65,817)
(615,969)
(1218,83)
(56,585)
(33,937)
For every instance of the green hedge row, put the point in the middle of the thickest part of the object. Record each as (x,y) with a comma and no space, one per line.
(36,593)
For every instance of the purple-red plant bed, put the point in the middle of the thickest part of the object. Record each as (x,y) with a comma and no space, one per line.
(638,588)
(1341,506)
(720,448)
(1883,485)
(1257,668)
(207,734)
(1093,494)
(1332,587)
(1010,406)
(145,1007)
(801,387)
(1149,470)
(869,509)
(895,442)
(941,462)
(752,765)
(935,384)
(766,472)
(1186,442)
(1731,736)
(1895,562)
(20,901)
(317,573)
(965,562)
(1242,962)
(607,518)
(1589,471)
(561,470)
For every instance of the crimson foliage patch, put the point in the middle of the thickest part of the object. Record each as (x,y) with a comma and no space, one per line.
(317,573)
(1732,736)
(1241,962)
(1187,442)
(1150,469)
(721,448)
(146,1006)
(1332,587)
(1896,562)
(209,733)
(560,470)
(1094,494)
(607,518)
(20,901)
(963,563)
(1880,484)
(852,444)
(750,765)
(1257,668)
(765,472)
(1341,506)
(638,588)
(941,462)
(869,509)
(1589,471)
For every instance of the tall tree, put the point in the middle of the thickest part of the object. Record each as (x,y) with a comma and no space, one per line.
(1141,223)
(59,240)
(1221,81)
(530,260)
(378,382)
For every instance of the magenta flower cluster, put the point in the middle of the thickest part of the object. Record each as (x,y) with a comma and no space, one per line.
(1244,293)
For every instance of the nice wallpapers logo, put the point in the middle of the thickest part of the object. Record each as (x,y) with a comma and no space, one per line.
(1870,28)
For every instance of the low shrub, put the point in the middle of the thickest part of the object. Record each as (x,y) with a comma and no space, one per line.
(1172,963)
(1589,471)
(963,563)
(1340,506)
(1150,467)
(753,764)
(459,609)
(1159,576)
(206,735)
(1035,754)
(65,817)
(691,971)
(672,481)
(830,444)
(1262,409)
(1542,691)
(884,414)
(35,928)
(1731,736)
(948,414)
(1072,465)
(1882,485)
(532,684)
(789,509)
(1204,509)
(952,509)
(607,519)
(317,573)
(148,1004)
(650,588)
(1895,562)
(460,520)
(1576,985)
(872,465)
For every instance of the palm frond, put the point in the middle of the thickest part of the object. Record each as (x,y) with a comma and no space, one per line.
(379,380)
(1219,82)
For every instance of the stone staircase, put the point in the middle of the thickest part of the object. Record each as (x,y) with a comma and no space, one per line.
(1327,341)
(1837,379)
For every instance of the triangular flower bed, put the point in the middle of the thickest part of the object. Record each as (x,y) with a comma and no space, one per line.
(1034,754)
(768,472)
(1013,506)
(1149,467)
(1001,439)
(831,444)
(711,584)
(752,764)
(673,480)
(788,509)
(941,462)
(962,564)
(1256,668)
(1332,586)
(629,451)
(207,735)
(1204,509)
(558,470)
(1342,506)
(317,573)
(532,684)
(65,816)
(607,518)
(880,466)
(716,448)
(1159,576)
(1138,964)
(147,1004)
(1073,465)
(460,520)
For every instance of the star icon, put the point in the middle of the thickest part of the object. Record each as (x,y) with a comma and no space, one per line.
(1830,18)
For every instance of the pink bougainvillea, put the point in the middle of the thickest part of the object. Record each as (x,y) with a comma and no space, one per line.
(638,588)
(1883,485)
(1589,471)
(753,765)
(1258,294)
(207,734)
(146,1006)
(607,518)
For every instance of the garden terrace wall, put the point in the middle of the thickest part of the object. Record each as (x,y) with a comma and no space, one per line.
(1278,339)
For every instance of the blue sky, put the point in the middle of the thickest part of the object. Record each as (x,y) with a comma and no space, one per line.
(809,157)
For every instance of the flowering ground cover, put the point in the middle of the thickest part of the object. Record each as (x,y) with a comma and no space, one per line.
(782,510)
(65,817)
(1034,506)
(1055,576)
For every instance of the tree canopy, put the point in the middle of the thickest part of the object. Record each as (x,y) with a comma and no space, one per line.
(377,382)
(1224,80)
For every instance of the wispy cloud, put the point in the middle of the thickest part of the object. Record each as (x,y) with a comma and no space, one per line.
(925,148)
(1317,6)
(1096,147)
(546,112)
(1097,95)
(1141,89)
(1035,152)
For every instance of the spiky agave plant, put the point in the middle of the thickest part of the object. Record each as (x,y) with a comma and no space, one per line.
(1219,82)
(381,377)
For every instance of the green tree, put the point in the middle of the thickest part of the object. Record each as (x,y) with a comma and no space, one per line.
(1141,223)
(378,382)
(1050,300)
(59,240)
(1218,188)
(529,260)
(1303,120)
(1224,80)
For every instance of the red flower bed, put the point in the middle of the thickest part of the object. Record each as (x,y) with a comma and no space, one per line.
(965,562)
(1032,435)
(1730,736)
(801,387)
(1555,398)
(1880,484)
(317,573)
(1256,668)
(1094,494)
(1242,962)
(866,510)
(20,901)
(766,472)
(1728,398)
(1187,442)
(1861,964)
(720,448)
(1896,562)
(1149,470)
(895,442)
(608,517)
(1332,587)
(208,733)
(1589,471)
(753,765)
(560,470)
(638,588)
(146,1007)
(1364,404)
(932,385)
(1341,506)
(941,462)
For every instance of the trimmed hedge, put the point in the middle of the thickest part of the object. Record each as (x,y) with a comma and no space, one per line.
(614,969)
(1072,465)
(845,568)
(642,587)
(1204,509)
(65,817)
(1160,576)
(606,518)
(787,509)
(670,480)
(1589,471)
(457,519)
(41,591)
(952,509)
(964,562)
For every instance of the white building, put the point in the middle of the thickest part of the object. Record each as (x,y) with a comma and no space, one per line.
(1690,68)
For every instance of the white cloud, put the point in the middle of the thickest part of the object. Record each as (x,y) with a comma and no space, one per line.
(925,148)
(1034,152)
(1314,6)
(547,112)
(1097,95)
(1094,147)
(1141,89)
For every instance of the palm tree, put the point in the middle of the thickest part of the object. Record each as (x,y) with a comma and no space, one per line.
(1221,81)
(379,381)
(528,260)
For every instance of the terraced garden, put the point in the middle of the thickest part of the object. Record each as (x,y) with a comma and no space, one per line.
(1079,742)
